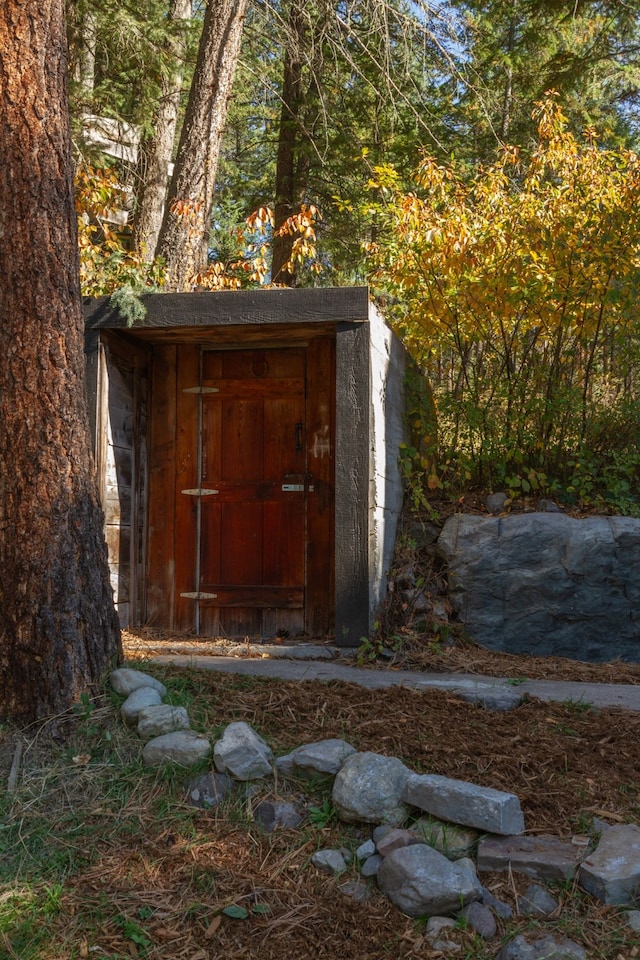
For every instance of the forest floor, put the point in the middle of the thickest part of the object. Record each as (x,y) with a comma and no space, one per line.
(102,857)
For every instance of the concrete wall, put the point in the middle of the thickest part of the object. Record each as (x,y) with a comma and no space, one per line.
(388,361)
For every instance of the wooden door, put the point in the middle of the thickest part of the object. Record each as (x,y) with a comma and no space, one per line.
(253,492)
(255,557)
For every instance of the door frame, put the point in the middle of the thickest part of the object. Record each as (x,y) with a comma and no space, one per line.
(265,316)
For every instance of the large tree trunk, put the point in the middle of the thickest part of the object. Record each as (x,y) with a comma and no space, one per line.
(186,226)
(287,191)
(295,134)
(156,152)
(58,628)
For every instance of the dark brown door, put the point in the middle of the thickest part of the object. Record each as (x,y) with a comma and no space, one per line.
(253,492)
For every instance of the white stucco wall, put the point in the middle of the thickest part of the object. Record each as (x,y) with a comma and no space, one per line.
(388,361)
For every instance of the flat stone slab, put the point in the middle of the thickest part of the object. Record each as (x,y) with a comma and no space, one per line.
(541,858)
(612,872)
(623,695)
(303,651)
(482,808)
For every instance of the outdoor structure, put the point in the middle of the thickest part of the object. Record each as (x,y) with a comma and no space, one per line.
(247,452)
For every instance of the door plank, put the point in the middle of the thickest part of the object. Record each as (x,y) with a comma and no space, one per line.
(162,483)
(186,511)
(321,509)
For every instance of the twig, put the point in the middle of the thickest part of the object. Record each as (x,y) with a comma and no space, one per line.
(15,767)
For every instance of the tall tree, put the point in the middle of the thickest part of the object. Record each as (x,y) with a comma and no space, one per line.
(588,51)
(185,230)
(58,628)
(156,150)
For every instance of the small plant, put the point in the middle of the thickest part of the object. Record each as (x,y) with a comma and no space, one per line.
(134,932)
(323,815)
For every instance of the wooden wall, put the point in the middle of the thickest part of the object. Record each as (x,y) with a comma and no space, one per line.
(121,414)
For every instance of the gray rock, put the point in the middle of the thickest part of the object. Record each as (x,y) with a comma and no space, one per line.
(369,789)
(541,858)
(421,882)
(545,583)
(208,790)
(325,757)
(397,838)
(137,701)
(633,919)
(329,861)
(548,506)
(490,697)
(424,533)
(371,865)
(125,680)
(365,850)
(467,864)
(465,803)
(446,946)
(479,918)
(272,814)
(502,910)
(495,502)
(184,747)
(612,872)
(536,901)
(447,838)
(380,832)
(241,753)
(155,720)
(544,948)
(437,925)
(356,890)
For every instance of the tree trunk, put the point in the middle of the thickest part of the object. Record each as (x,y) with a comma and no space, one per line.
(286,186)
(58,627)
(156,152)
(187,220)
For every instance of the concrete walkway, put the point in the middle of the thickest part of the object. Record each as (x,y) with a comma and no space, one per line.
(285,664)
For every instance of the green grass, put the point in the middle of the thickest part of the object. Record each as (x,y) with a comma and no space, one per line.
(99,853)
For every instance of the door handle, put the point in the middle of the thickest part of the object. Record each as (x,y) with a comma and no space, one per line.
(298,431)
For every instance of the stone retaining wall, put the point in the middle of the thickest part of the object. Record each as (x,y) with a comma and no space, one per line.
(546,584)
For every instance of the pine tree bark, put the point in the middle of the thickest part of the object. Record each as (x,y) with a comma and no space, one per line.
(58,627)
(156,152)
(185,230)
(286,185)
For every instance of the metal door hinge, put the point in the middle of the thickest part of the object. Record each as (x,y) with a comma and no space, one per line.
(200,596)
(199,492)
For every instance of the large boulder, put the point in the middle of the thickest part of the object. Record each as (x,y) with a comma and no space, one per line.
(369,788)
(546,584)
(612,872)
(423,883)
(242,753)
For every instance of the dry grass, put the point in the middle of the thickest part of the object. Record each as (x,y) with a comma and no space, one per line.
(103,858)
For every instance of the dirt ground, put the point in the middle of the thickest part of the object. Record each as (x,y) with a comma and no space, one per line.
(151,876)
